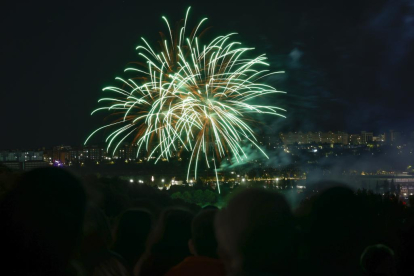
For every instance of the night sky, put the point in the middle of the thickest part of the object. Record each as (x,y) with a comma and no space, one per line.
(349,64)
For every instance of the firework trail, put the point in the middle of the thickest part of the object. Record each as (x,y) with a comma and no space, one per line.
(188,93)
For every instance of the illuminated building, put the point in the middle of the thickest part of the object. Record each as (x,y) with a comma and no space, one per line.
(330,137)
(355,139)
(379,138)
(366,137)
(22,160)
(93,152)
(21,156)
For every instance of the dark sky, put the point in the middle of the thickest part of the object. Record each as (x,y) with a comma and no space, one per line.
(349,64)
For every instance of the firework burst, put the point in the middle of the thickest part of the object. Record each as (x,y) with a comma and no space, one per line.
(197,95)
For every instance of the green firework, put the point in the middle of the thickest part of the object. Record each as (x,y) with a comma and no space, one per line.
(198,95)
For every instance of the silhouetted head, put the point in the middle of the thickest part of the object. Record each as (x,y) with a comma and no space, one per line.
(378,260)
(255,233)
(338,197)
(337,232)
(131,233)
(173,231)
(42,222)
(150,205)
(203,238)
(97,237)
(168,243)
(96,224)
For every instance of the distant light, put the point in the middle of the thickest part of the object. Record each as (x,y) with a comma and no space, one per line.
(152,178)
(162,180)
(131,180)
(243,179)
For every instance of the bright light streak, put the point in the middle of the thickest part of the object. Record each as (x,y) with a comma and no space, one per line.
(200,96)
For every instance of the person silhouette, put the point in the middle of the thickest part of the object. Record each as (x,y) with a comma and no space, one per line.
(256,234)
(42,221)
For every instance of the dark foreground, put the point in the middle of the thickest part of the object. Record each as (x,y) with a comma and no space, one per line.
(53,223)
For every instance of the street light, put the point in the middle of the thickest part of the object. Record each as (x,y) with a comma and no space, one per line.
(131,180)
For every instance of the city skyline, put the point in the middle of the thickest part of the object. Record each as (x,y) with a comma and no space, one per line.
(365,155)
(328,137)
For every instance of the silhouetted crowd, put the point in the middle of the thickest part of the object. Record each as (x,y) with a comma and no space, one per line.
(52,225)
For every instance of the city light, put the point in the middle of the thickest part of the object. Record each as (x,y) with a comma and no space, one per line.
(131,180)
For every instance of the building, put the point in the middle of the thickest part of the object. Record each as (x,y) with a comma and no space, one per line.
(59,153)
(355,139)
(291,138)
(30,165)
(127,152)
(393,137)
(366,137)
(20,156)
(22,160)
(16,166)
(93,152)
(11,156)
(379,138)
(329,137)
(398,138)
